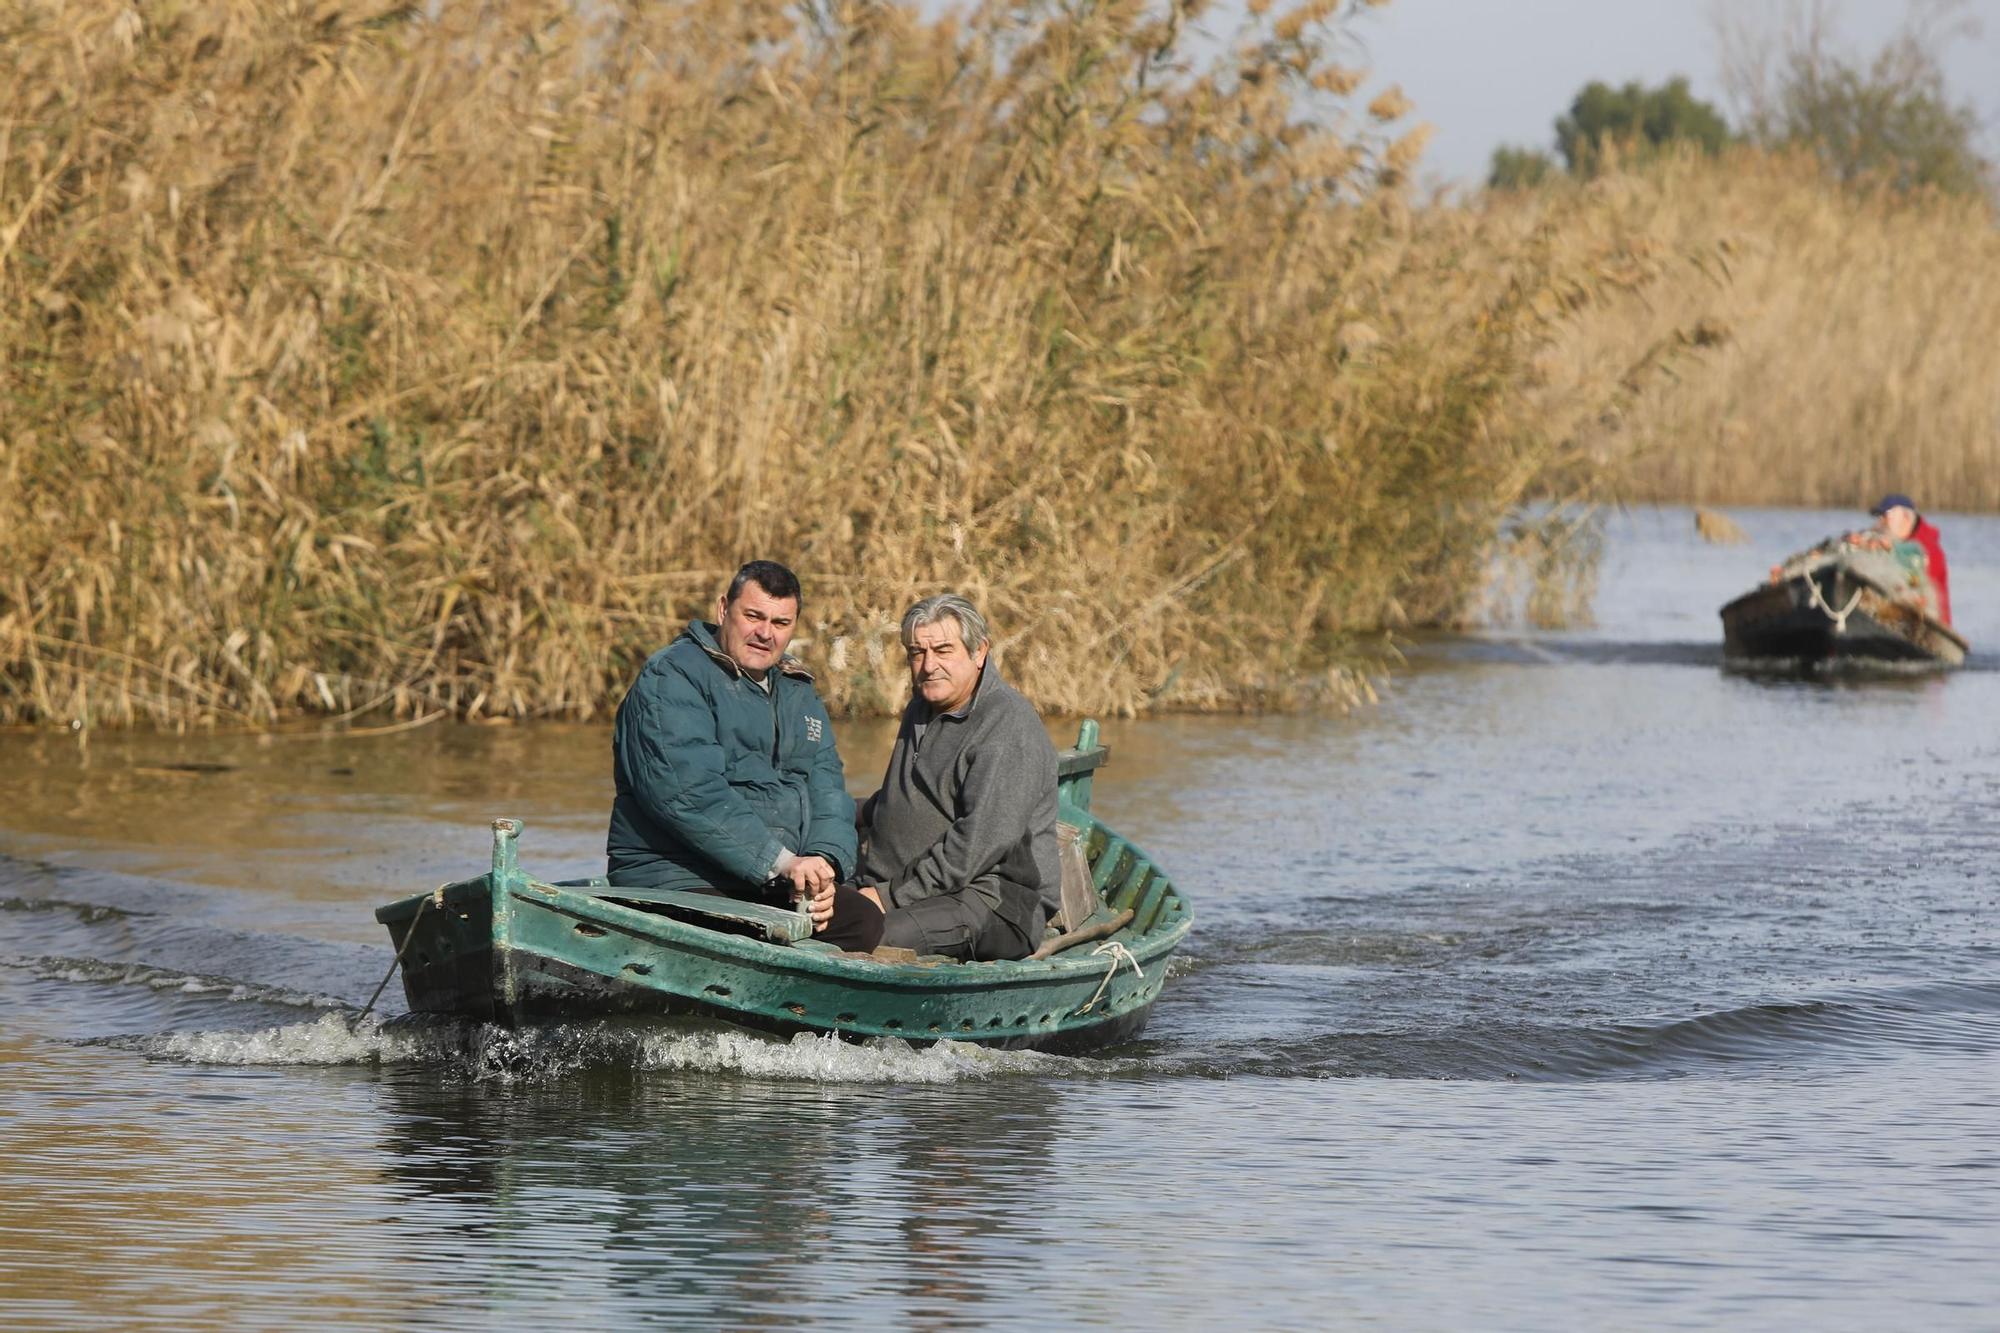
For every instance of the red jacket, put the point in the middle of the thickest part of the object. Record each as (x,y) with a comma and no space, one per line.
(1927,537)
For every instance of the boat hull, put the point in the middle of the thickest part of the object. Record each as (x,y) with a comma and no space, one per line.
(572,954)
(512,949)
(1832,618)
(554,992)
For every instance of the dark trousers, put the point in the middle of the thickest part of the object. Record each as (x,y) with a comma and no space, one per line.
(856,925)
(857,922)
(957,925)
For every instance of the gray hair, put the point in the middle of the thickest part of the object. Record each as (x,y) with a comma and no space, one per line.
(948,606)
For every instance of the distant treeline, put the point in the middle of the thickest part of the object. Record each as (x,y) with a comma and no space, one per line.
(1880,121)
(1829,269)
(375,363)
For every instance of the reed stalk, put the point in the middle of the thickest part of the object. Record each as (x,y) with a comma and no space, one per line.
(1811,344)
(375,360)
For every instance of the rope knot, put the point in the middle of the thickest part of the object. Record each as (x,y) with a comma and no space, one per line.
(1120,955)
(1839,618)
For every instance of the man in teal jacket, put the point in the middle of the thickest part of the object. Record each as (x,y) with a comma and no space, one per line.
(727,777)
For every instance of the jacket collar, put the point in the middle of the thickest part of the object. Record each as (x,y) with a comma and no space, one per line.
(703,634)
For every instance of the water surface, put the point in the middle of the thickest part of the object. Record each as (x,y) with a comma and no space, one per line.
(1577,984)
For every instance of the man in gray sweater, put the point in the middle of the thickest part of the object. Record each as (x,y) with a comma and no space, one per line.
(959,845)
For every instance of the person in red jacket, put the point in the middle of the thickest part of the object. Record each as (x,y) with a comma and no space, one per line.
(1897,520)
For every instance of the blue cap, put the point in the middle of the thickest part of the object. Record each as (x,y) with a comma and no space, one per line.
(1893,500)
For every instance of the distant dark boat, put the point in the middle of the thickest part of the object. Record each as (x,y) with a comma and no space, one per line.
(1838,607)
(509,948)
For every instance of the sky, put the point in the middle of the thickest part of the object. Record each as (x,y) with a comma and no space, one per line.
(1487,72)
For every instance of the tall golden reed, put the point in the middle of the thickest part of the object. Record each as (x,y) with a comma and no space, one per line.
(1819,345)
(359,360)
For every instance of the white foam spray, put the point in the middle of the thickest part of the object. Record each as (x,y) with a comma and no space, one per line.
(481,1051)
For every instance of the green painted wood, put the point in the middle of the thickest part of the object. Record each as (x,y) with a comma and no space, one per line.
(1126,893)
(774,923)
(1077,763)
(1109,864)
(1075,766)
(512,948)
(505,870)
(1151,901)
(1131,889)
(450,960)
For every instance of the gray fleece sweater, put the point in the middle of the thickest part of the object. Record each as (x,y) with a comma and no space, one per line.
(969,804)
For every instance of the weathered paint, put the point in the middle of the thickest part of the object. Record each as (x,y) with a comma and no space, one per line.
(506,832)
(1832,614)
(558,950)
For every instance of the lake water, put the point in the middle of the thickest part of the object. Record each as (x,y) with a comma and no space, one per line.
(1576,985)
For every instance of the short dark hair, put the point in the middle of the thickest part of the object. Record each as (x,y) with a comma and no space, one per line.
(772,577)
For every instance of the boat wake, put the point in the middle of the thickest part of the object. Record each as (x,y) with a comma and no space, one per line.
(1959,1017)
(160,1010)
(89,914)
(1940,1018)
(483,1052)
(1551,650)
(1558,650)
(101,969)
(100,972)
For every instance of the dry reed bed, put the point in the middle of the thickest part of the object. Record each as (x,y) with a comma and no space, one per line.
(1820,346)
(364,365)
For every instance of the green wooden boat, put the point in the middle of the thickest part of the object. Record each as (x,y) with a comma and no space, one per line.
(512,949)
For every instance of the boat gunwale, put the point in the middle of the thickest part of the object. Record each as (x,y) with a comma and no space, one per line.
(1062,984)
(1172,923)
(945,974)
(1840,568)
(942,974)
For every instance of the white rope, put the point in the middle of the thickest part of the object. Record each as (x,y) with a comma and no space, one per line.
(1839,618)
(1119,954)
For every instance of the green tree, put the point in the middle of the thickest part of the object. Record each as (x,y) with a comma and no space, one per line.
(1882,123)
(1519,168)
(1635,120)
(1881,118)
(1864,129)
